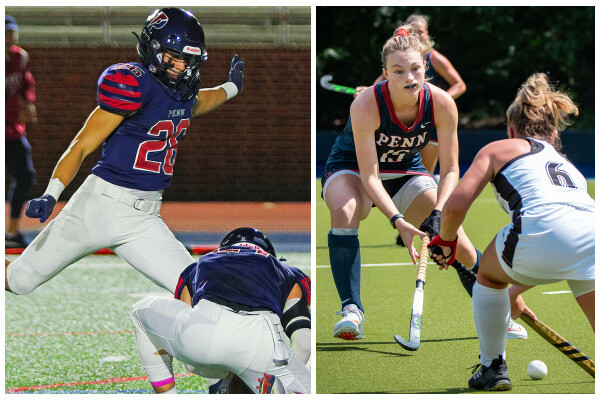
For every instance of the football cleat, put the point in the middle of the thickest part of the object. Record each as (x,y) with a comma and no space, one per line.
(350,327)
(270,384)
(516,331)
(492,378)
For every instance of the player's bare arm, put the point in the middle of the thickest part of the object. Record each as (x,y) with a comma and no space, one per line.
(99,125)
(446,116)
(446,70)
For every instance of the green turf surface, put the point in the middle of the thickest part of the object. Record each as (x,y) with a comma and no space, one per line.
(92,296)
(449,345)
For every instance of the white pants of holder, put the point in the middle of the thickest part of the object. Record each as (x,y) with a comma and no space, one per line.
(215,340)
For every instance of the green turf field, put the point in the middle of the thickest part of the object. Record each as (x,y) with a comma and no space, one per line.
(449,346)
(73,334)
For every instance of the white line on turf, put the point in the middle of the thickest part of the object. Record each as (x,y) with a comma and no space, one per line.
(146,294)
(379,265)
(113,359)
(557,292)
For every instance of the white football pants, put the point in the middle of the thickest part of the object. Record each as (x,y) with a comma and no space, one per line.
(101,215)
(215,341)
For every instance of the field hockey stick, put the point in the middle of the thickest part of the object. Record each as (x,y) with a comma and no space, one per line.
(561,344)
(326,84)
(545,332)
(414,338)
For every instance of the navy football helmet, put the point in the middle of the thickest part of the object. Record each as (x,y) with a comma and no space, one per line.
(177,33)
(248,235)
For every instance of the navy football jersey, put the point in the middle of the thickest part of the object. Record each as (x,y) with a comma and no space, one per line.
(243,275)
(140,153)
(398,146)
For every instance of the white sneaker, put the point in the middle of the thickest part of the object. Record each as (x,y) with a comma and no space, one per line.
(516,331)
(350,327)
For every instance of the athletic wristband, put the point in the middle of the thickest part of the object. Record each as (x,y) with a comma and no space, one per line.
(230,89)
(394,218)
(55,188)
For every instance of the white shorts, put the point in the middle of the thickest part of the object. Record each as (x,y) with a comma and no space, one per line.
(404,196)
(555,243)
(91,221)
(215,340)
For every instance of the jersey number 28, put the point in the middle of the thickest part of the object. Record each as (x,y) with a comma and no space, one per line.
(171,136)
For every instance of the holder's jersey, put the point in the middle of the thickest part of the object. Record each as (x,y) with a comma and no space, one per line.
(140,153)
(243,275)
(398,146)
(540,177)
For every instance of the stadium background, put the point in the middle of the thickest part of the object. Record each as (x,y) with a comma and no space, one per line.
(494,49)
(254,148)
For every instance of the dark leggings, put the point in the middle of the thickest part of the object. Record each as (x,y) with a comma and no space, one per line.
(20,166)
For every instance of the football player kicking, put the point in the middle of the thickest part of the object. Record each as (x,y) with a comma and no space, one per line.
(144,110)
(233,314)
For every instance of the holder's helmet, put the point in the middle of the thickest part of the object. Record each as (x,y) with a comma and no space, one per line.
(178,33)
(240,236)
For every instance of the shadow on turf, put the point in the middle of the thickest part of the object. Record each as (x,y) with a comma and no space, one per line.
(339,345)
(345,346)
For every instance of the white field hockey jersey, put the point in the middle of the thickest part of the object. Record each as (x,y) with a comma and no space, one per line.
(541,177)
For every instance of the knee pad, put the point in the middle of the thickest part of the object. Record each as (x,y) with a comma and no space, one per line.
(136,313)
(19,280)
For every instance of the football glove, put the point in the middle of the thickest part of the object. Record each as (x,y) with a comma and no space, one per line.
(41,207)
(236,73)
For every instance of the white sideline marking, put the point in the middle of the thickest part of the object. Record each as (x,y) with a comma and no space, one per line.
(146,294)
(558,292)
(113,359)
(380,265)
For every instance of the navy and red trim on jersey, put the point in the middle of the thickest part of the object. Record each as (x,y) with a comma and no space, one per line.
(119,92)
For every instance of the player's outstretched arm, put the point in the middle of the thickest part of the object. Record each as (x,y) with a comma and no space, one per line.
(209,99)
(99,125)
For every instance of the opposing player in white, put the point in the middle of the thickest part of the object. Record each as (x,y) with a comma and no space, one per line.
(234,313)
(551,236)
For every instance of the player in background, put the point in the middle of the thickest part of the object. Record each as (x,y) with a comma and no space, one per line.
(550,238)
(376,160)
(144,109)
(20,110)
(232,315)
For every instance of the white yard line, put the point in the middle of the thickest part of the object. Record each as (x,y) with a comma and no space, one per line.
(379,265)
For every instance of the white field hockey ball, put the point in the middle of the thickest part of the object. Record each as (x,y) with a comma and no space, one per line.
(537,369)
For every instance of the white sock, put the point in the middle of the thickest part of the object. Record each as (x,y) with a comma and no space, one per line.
(170,391)
(491,312)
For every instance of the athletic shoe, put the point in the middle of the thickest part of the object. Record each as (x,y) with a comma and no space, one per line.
(16,241)
(495,377)
(350,327)
(270,384)
(399,241)
(516,331)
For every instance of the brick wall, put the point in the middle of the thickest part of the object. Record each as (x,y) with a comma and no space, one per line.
(256,147)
